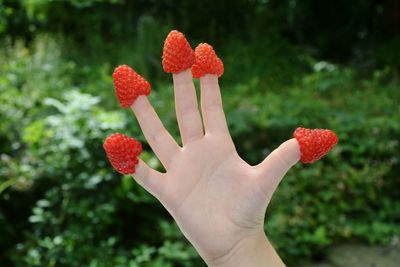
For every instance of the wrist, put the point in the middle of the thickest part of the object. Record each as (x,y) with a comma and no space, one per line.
(252,251)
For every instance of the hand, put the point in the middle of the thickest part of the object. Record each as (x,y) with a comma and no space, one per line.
(216,198)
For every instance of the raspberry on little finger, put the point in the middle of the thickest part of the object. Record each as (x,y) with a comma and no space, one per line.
(122,152)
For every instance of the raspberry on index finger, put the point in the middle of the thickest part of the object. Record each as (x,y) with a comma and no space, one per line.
(206,61)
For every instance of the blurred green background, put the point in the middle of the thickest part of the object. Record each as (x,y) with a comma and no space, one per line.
(319,64)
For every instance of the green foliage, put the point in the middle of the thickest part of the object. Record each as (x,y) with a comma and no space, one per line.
(61,204)
(327,202)
(63,179)
(336,30)
(359,173)
(74,219)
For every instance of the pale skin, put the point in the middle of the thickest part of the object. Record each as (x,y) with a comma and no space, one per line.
(216,198)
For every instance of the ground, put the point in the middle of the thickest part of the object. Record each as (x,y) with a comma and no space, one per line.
(356,255)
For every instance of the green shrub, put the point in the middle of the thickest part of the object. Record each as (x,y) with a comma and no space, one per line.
(64,189)
(74,220)
(62,204)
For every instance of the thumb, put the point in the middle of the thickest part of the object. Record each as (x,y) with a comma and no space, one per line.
(277,164)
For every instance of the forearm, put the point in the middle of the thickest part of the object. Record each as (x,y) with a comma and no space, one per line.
(254,251)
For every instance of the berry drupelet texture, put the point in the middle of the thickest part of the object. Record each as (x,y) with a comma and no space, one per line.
(122,152)
(177,53)
(314,143)
(129,85)
(206,61)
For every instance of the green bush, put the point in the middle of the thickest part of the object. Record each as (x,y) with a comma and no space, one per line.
(64,185)
(62,204)
(85,196)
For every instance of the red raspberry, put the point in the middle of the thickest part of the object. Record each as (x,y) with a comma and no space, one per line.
(177,53)
(206,61)
(129,85)
(314,143)
(122,152)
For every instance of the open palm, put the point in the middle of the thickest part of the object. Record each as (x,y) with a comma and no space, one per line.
(216,198)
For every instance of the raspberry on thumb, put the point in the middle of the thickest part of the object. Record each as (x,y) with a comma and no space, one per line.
(314,143)
(177,53)
(122,152)
(206,62)
(129,85)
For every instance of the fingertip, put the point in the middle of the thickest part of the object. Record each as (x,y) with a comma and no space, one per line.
(290,149)
(149,179)
(282,158)
(142,169)
(182,77)
(140,104)
(278,163)
(209,78)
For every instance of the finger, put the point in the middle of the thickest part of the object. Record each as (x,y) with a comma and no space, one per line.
(277,164)
(211,105)
(150,179)
(159,139)
(187,111)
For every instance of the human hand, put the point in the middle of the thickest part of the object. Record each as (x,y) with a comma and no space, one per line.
(217,199)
